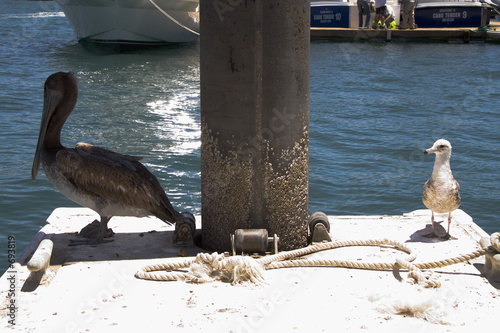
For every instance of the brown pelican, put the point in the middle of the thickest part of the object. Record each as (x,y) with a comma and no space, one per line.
(110,183)
(441,191)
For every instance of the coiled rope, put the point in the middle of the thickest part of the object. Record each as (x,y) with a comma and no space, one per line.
(237,269)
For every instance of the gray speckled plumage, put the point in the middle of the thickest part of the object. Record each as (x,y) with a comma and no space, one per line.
(441,191)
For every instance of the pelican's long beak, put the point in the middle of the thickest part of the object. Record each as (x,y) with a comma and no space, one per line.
(51,99)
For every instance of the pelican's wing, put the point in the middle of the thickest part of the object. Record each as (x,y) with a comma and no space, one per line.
(114,177)
(107,156)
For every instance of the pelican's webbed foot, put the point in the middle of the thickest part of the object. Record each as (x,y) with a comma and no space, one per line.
(96,230)
(94,233)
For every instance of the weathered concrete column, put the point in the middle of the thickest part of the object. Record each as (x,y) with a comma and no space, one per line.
(254,119)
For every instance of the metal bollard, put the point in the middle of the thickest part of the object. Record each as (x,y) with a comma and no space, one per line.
(252,241)
(319,228)
(184,230)
(492,259)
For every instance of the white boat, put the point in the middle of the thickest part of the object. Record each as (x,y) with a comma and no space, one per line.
(133,23)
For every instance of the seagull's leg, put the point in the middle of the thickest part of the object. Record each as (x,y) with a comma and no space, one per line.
(449,222)
(448,236)
(432,220)
(432,234)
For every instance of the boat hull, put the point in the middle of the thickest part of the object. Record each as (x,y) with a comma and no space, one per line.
(133,22)
(451,15)
(331,14)
(428,14)
(341,14)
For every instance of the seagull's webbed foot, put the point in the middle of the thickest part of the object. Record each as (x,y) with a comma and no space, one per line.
(94,233)
(449,237)
(431,235)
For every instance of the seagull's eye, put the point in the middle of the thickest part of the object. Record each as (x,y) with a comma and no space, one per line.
(442,146)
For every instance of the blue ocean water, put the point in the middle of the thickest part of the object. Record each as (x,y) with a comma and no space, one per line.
(374,107)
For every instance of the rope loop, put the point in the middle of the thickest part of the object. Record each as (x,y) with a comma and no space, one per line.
(241,269)
(427,279)
(207,268)
(495,241)
(416,276)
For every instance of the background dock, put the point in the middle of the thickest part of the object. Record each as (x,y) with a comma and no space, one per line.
(421,34)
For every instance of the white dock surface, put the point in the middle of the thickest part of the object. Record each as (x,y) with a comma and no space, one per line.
(93,288)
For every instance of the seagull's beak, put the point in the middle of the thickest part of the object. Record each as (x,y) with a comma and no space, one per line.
(429,151)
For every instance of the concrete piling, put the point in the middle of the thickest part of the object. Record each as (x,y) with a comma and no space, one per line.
(254,119)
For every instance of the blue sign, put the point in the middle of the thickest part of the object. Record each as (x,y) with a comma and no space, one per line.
(330,16)
(448,17)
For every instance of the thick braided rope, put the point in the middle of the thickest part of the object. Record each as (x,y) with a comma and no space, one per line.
(329,263)
(415,274)
(207,267)
(218,263)
(495,241)
(163,272)
(452,261)
(376,265)
(333,245)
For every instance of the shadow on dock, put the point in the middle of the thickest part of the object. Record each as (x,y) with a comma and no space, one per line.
(124,246)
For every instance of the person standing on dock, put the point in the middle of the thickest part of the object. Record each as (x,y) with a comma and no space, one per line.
(364,10)
(380,10)
(389,20)
(408,13)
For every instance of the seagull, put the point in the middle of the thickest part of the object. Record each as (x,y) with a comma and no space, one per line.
(441,191)
(109,183)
